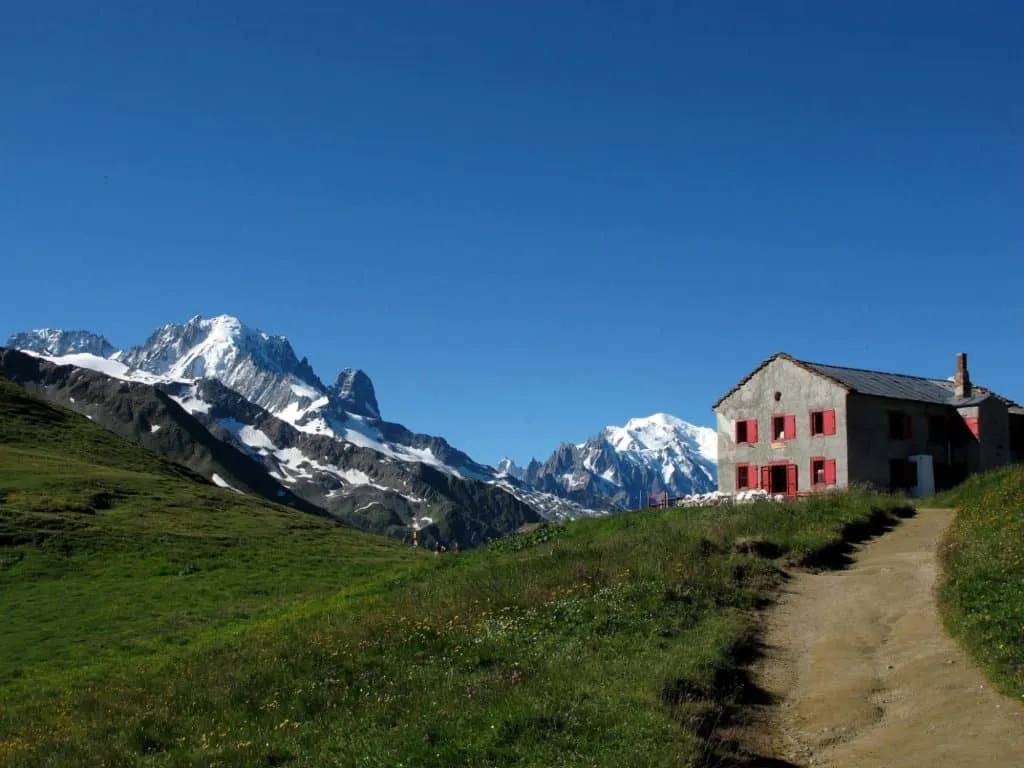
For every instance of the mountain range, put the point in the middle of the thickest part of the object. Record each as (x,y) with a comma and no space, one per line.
(621,467)
(238,406)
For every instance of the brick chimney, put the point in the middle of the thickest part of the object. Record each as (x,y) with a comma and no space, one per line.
(962,381)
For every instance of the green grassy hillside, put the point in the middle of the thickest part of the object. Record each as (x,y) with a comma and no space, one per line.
(111,555)
(983,590)
(153,620)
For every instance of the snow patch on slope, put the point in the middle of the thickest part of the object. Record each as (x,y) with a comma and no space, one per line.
(191,401)
(87,360)
(220,482)
(548,505)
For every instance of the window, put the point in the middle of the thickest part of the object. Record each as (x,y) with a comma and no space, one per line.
(783,427)
(746,477)
(823,423)
(938,429)
(746,431)
(823,471)
(900,425)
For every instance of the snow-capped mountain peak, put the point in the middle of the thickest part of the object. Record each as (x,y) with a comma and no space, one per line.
(621,466)
(661,432)
(212,347)
(508,467)
(262,368)
(56,342)
(249,388)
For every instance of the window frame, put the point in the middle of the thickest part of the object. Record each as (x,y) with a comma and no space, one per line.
(752,476)
(906,421)
(824,482)
(815,432)
(940,429)
(788,419)
(823,413)
(750,429)
(814,476)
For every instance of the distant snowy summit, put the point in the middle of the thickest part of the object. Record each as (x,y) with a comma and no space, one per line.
(58,343)
(249,388)
(262,368)
(254,369)
(621,467)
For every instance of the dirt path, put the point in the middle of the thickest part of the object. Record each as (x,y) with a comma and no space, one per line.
(864,675)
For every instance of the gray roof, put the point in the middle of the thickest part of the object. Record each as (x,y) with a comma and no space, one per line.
(898,386)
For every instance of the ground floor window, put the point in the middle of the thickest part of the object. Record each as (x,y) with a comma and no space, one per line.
(823,471)
(746,477)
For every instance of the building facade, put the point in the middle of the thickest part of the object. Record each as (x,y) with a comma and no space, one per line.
(792,427)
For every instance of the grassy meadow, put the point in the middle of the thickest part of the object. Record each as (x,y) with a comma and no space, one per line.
(152,620)
(983,591)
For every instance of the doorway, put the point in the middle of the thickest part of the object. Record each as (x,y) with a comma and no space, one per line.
(782,479)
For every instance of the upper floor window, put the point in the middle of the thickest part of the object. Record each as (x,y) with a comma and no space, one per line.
(746,431)
(938,429)
(783,426)
(823,423)
(901,426)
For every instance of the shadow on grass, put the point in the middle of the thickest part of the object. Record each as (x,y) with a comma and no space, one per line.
(743,715)
(747,700)
(840,554)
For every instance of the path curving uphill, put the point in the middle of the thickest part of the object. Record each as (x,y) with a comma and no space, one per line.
(862,672)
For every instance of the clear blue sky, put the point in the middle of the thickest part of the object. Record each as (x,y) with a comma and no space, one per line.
(525,220)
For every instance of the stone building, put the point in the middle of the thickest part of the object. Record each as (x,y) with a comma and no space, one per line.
(792,426)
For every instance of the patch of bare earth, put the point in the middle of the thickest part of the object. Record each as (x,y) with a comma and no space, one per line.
(860,672)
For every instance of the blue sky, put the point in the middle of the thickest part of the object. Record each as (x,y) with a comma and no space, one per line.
(525,220)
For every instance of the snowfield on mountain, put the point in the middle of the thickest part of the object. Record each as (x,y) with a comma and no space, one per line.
(329,445)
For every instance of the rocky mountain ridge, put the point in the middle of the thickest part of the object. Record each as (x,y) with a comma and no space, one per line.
(621,467)
(327,445)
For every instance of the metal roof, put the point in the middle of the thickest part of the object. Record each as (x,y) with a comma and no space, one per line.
(897,386)
(894,385)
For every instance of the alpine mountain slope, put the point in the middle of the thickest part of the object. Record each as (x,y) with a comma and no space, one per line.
(238,406)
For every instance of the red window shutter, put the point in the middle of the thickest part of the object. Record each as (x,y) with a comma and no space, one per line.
(908,427)
(790,427)
(791,479)
(752,430)
(830,471)
(830,422)
(766,478)
(752,475)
